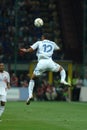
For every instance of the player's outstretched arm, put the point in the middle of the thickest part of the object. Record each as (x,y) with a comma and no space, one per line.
(27,50)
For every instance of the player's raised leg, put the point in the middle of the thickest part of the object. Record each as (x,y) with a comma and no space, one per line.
(63,77)
(55,67)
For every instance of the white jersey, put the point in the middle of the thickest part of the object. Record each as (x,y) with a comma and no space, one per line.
(45,49)
(4,79)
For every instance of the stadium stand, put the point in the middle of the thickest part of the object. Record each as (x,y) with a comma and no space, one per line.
(22,24)
(60,20)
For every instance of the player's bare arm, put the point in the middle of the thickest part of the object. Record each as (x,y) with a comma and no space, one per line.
(8,85)
(27,50)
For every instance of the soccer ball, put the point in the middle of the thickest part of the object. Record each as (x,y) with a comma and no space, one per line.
(38,22)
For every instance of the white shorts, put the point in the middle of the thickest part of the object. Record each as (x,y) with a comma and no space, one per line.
(46,65)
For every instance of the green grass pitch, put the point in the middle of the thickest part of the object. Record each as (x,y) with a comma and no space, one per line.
(44,116)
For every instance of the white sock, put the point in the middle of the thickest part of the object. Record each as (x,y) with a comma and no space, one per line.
(2,108)
(30,88)
(63,75)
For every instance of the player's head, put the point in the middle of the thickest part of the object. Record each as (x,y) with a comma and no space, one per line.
(45,36)
(1,66)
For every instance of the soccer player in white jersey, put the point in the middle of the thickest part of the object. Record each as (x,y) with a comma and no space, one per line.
(45,49)
(4,85)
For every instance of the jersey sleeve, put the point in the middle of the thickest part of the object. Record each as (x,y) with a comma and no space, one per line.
(56,47)
(35,45)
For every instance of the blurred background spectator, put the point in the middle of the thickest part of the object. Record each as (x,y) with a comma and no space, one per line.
(77,83)
(14,80)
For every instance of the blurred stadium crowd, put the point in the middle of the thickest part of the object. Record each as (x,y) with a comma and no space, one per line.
(46,91)
(16,25)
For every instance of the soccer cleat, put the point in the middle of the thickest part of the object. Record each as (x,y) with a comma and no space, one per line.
(65,83)
(28,101)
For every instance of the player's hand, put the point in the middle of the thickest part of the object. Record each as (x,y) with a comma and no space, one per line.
(23,50)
